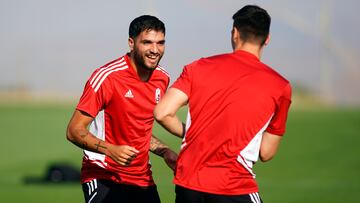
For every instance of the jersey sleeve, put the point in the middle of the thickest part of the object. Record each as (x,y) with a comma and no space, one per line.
(95,96)
(183,82)
(277,124)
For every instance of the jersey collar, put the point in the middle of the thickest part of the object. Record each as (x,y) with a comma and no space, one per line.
(246,54)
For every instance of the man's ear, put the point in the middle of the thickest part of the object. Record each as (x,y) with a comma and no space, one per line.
(267,40)
(235,35)
(131,43)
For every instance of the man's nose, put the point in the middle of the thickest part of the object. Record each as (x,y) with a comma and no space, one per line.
(154,48)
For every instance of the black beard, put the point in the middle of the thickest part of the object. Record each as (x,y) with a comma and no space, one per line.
(139,61)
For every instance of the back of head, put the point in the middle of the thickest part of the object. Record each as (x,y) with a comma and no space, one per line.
(253,24)
(145,23)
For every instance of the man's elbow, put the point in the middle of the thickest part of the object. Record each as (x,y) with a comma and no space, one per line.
(269,146)
(69,135)
(159,114)
(264,157)
(267,153)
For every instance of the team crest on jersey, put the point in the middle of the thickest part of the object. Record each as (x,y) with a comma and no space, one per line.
(157,95)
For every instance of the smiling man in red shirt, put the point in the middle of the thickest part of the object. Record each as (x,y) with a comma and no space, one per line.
(238,108)
(114,117)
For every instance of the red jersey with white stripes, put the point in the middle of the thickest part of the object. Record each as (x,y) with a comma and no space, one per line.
(122,106)
(233,99)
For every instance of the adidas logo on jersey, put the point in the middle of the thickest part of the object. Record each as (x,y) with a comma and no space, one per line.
(129,94)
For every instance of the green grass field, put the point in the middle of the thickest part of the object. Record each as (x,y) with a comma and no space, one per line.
(317,161)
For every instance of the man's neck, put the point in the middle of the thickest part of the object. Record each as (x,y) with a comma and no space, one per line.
(251,48)
(143,73)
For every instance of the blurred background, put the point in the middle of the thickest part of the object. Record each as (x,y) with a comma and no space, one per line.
(49,49)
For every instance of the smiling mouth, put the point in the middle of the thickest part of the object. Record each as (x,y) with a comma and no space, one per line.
(152,57)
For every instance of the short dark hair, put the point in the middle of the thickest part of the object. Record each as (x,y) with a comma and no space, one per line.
(253,24)
(143,23)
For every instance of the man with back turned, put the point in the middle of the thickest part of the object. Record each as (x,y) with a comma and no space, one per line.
(238,109)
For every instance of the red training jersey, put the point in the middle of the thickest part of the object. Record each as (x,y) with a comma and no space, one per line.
(233,99)
(122,106)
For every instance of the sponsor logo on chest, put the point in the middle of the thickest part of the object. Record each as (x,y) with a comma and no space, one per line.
(129,94)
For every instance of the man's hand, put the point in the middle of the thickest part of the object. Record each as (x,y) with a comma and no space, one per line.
(170,158)
(122,154)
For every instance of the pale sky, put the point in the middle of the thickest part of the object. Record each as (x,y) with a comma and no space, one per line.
(53,46)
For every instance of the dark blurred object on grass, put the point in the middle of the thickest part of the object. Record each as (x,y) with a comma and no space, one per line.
(56,173)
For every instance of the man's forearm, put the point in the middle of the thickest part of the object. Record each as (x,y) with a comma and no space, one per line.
(85,140)
(162,150)
(78,133)
(173,125)
(157,147)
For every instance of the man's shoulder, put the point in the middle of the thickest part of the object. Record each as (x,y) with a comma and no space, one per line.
(160,75)
(275,74)
(106,71)
(216,58)
(161,71)
(112,65)
(210,60)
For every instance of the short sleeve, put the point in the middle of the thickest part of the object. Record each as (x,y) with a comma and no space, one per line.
(277,124)
(95,96)
(183,82)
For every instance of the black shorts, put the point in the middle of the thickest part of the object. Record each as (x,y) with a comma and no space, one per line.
(184,195)
(103,191)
